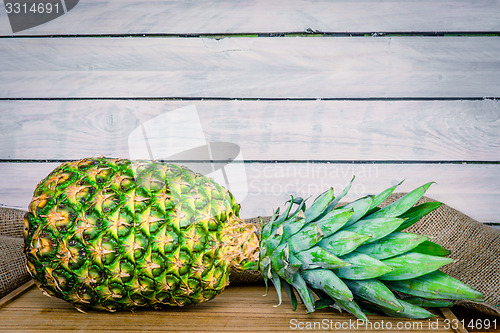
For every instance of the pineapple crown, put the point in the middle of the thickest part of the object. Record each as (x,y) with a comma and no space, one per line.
(341,256)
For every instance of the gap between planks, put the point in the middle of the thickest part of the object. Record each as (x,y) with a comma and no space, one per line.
(233,16)
(291,34)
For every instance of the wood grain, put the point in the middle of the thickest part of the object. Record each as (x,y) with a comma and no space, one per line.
(239,308)
(264,130)
(424,67)
(220,17)
(448,314)
(474,189)
(13,295)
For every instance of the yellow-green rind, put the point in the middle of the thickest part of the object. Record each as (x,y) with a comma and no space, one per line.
(115,234)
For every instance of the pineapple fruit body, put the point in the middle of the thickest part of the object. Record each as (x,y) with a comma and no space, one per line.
(114,234)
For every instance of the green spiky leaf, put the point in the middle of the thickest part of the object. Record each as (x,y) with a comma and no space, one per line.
(436,285)
(375,256)
(431,248)
(403,204)
(343,242)
(412,264)
(362,267)
(414,214)
(392,245)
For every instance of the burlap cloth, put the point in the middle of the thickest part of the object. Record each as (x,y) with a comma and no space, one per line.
(474,246)
(13,270)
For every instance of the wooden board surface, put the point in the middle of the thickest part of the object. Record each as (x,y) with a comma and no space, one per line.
(238,309)
(283,68)
(229,16)
(264,130)
(269,185)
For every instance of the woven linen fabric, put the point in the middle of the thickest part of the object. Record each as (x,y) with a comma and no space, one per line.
(474,246)
(13,272)
(12,222)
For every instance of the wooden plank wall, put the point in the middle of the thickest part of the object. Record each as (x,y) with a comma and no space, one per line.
(312,93)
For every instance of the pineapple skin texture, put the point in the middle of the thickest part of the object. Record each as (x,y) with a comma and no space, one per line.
(115,234)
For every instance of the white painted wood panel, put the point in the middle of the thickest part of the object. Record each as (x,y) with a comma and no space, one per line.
(361,67)
(472,189)
(238,16)
(264,130)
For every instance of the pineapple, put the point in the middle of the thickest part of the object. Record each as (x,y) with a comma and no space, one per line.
(115,234)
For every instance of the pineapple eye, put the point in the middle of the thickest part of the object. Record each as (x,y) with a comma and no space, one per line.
(64,279)
(127,184)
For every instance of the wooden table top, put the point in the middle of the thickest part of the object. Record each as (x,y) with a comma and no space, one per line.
(240,308)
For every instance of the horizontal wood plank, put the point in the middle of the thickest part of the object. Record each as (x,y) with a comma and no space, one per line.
(398,67)
(219,17)
(264,130)
(474,189)
(239,308)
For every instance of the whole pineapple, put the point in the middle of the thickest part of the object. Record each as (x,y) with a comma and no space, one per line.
(115,234)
